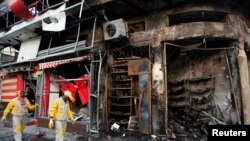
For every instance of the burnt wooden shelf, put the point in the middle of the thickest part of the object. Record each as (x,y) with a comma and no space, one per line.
(116,104)
(120,96)
(120,122)
(121,80)
(119,72)
(128,88)
(119,113)
(120,65)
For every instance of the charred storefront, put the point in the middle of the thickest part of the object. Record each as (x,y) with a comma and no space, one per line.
(162,68)
(198,58)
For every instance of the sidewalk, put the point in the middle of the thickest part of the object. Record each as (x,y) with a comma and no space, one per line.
(6,134)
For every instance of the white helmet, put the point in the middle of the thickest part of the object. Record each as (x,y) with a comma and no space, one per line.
(69,95)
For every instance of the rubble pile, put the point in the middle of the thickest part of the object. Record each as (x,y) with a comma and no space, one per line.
(187,129)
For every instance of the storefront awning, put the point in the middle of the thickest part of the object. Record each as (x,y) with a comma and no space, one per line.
(54,64)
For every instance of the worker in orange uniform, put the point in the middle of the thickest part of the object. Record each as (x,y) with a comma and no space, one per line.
(18,107)
(60,112)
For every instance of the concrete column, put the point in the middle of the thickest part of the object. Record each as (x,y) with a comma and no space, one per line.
(244,82)
(158,97)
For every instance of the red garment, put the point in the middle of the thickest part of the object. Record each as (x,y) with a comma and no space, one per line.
(67,86)
(19,84)
(83,89)
(45,95)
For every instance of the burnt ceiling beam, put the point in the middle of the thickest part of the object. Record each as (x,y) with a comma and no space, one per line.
(187,31)
(132,5)
(198,8)
(94,2)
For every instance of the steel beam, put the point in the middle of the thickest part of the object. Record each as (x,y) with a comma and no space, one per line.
(186,31)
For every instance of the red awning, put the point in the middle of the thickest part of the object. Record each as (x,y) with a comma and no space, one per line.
(54,64)
(45,97)
(10,86)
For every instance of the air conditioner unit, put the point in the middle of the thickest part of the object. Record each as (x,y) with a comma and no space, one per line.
(114,30)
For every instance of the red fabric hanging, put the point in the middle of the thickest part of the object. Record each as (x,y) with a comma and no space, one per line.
(45,96)
(83,89)
(19,84)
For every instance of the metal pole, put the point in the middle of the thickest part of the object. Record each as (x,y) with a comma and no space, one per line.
(50,42)
(90,94)
(70,80)
(86,68)
(98,88)
(232,87)
(77,38)
(93,32)
(7,16)
(165,84)
(80,14)
(73,6)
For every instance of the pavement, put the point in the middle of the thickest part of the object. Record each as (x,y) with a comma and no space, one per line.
(6,134)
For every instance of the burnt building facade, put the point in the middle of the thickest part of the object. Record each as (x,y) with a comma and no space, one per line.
(157,67)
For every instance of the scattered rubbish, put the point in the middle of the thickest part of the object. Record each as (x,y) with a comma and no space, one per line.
(195,136)
(163,137)
(133,122)
(115,127)
(234,118)
(204,130)
(225,103)
(96,135)
(173,136)
(109,137)
(220,122)
(86,118)
(153,136)
(78,117)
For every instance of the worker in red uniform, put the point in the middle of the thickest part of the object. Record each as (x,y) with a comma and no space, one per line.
(18,107)
(60,111)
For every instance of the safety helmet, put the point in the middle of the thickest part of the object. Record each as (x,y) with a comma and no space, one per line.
(69,95)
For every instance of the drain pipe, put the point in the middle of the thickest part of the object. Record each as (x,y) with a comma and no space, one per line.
(244,82)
